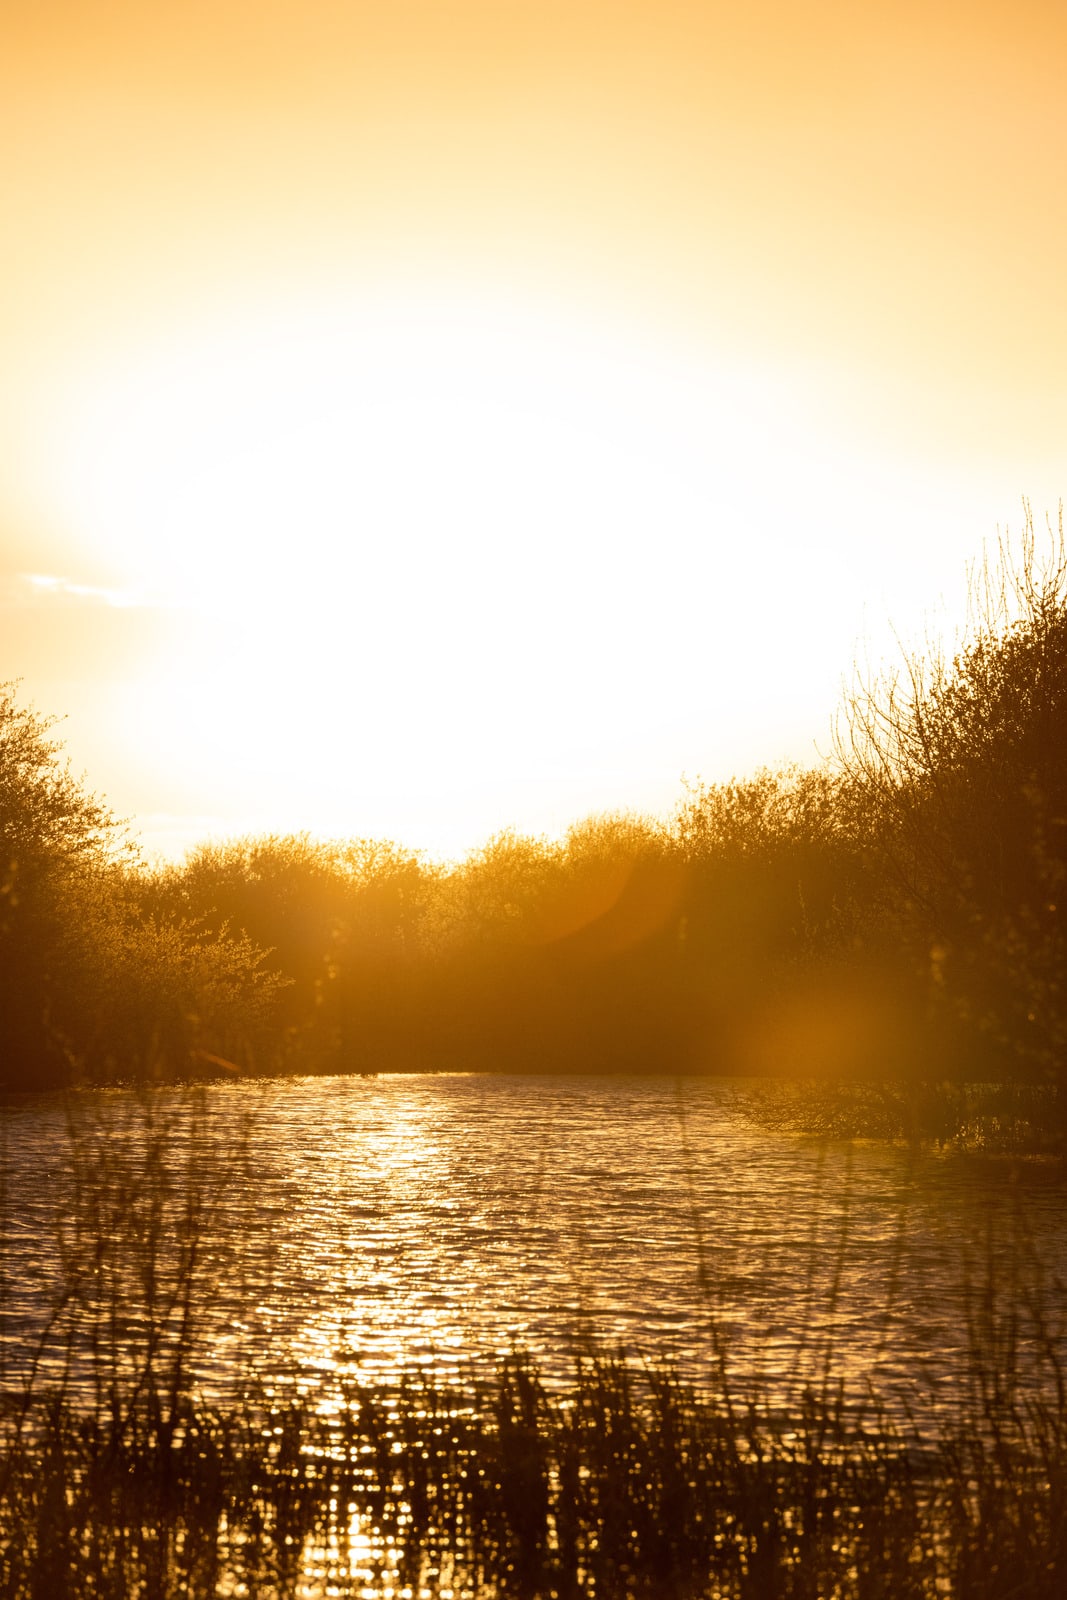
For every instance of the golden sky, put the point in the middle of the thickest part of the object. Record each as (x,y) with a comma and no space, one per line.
(424,417)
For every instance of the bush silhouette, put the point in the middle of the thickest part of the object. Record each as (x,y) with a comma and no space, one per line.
(52,833)
(960,775)
(96,984)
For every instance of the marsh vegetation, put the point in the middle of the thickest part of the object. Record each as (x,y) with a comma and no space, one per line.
(628,1484)
(138,1456)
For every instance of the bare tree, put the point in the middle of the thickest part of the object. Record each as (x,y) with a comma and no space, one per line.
(958,773)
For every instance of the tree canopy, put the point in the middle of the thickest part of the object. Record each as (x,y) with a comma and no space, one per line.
(94,984)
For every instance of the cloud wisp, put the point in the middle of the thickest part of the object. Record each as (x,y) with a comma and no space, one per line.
(37,586)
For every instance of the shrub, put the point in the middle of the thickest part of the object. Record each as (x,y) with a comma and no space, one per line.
(959,770)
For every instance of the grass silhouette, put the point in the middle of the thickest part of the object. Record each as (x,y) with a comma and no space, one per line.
(121,1476)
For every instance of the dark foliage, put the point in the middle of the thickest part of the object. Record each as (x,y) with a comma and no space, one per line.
(959,773)
(97,983)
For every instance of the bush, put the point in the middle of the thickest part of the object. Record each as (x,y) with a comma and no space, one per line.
(959,770)
(92,985)
(52,833)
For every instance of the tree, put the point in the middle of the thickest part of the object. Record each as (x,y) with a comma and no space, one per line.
(144,996)
(51,831)
(94,984)
(959,769)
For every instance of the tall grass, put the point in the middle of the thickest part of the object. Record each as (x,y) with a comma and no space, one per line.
(629,1482)
(122,1476)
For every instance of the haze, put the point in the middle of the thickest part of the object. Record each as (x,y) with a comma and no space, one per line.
(422,420)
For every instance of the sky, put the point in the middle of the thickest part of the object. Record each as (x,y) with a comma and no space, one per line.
(426,418)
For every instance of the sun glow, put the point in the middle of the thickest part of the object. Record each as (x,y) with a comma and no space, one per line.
(420,543)
(425,418)
(436,562)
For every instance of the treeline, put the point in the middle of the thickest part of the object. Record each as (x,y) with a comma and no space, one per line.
(896,912)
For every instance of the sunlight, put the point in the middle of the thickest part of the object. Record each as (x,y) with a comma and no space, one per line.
(456,545)
(533,703)
(441,442)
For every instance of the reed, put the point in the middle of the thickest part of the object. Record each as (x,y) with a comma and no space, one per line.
(122,1477)
(627,1482)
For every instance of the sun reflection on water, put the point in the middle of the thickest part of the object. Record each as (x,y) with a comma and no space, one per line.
(384,1242)
(433,1224)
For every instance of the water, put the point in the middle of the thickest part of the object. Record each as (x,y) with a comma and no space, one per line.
(349,1228)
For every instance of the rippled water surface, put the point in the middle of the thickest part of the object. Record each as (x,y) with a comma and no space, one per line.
(354,1226)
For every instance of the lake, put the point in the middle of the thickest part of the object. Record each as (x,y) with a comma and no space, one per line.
(353,1227)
